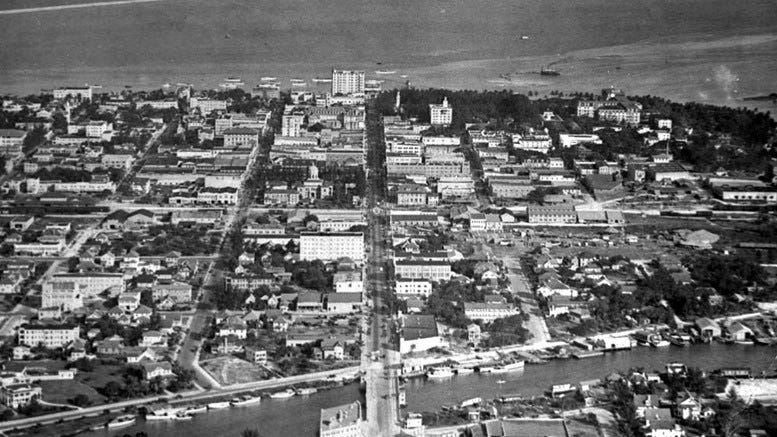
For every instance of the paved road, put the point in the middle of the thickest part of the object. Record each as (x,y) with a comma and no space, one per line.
(381,360)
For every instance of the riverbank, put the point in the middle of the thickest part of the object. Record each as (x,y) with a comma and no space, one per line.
(340,376)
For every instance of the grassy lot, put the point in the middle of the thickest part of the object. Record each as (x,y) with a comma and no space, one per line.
(59,392)
(101,375)
(231,370)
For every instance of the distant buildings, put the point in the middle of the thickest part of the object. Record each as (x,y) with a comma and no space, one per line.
(82,93)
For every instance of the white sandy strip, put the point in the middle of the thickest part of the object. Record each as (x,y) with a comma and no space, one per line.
(74,6)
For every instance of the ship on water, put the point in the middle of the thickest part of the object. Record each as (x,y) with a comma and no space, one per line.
(547,71)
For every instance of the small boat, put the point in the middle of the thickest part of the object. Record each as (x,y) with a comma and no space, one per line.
(245,401)
(161,414)
(385,72)
(403,76)
(439,372)
(299,84)
(766,341)
(464,370)
(283,394)
(196,409)
(218,405)
(122,421)
(501,381)
(295,80)
(486,369)
(268,79)
(659,343)
(306,391)
(549,72)
(524,37)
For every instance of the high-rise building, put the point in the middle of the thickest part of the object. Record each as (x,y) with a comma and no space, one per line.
(347,82)
(441,115)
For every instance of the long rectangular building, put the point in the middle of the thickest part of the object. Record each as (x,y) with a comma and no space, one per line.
(329,246)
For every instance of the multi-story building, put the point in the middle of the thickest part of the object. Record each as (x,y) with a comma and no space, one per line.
(569,140)
(411,286)
(347,82)
(282,196)
(422,269)
(66,296)
(341,421)
(49,336)
(488,312)
(419,333)
(533,142)
(11,141)
(179,292)
(19,395)
(442,114)
(95,128)
(239,136)
(92,284)
(455,186)
(429,169)
(291,124)
(206,106)
(412,195)
(552,214)
(217,196)
(441,140)
(331,246)
(83,93)
(115,160)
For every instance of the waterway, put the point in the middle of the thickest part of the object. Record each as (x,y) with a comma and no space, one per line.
(299,416)
(714,51)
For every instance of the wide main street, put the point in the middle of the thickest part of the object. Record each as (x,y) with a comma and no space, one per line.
(380,361)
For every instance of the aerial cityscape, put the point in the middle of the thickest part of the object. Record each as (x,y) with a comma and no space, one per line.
(485,219)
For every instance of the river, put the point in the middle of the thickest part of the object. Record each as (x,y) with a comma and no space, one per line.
(299,416)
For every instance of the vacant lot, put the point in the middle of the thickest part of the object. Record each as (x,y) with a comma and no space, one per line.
(231,370)
(58,392)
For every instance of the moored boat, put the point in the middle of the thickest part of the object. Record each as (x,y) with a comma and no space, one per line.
(486,369)
(464,370)
(306,391)
(439,372)
(161,413)
(268,78)
(283,394)
(218,405)
(385,71)
(196,409)
(245,400)
(510,367)
(122,421)
(182,416)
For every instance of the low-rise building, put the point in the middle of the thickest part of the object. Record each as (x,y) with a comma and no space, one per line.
(341,421)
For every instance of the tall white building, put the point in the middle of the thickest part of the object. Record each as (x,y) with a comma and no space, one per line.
(328,246)
(347,82)
(441,115)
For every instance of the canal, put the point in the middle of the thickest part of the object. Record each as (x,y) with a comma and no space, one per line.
(299,416)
